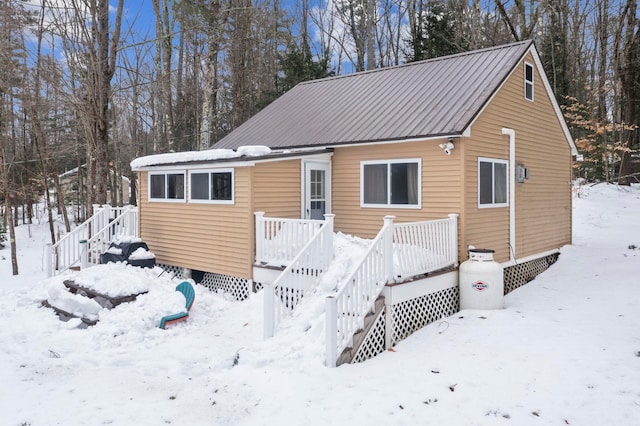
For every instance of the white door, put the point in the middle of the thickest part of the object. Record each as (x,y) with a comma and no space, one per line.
(317,189)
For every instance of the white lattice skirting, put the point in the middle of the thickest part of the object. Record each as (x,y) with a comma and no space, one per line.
(174,271)
(518,275)
(374,342)
(410,315)
(237,287)
(408,308)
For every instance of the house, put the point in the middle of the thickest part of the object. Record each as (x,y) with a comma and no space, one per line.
(477,134)
(73,186)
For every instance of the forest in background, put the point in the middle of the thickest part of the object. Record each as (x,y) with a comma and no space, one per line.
(90,85)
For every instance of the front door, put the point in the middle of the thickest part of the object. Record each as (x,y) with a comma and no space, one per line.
(317,189)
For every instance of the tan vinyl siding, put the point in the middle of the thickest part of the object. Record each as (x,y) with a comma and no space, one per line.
(207,237)
(543,202)
(276,188)
(441,178)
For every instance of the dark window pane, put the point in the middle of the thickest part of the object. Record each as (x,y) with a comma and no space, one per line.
(175,186)
(486,182)
(500,183)
(221,186)
(157,186)
(200,186)
(375,184)
(317,184)
(399,184)
(528,81)
(528,72)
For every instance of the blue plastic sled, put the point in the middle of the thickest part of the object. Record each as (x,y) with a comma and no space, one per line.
(189,294)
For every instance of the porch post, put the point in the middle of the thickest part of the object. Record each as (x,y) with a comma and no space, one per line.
(453,237)
(388,323)
(328,241)
(48,264)
(259,235)
(84,254)
(331,321)
(269,309)
(388,248)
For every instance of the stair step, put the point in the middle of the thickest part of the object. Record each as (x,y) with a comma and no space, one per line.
(349,353)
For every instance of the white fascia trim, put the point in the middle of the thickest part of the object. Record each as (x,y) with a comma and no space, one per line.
(326,156)
(190,166)
(554,103)
(426,138)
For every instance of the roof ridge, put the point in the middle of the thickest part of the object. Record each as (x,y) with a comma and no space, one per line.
(416,63)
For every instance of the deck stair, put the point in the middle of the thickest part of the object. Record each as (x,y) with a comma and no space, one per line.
(397,254)
(83,245)
(353,352)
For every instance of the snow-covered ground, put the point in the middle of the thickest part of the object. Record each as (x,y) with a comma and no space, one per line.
(565,350)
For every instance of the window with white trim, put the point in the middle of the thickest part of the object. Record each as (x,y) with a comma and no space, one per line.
(166,186)
(394,183)
(493,182)
(528,81)
(211,186)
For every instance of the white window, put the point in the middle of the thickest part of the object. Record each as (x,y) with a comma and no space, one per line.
(528,81)
(493,182)
(211,186)
(390,183)
(166,186)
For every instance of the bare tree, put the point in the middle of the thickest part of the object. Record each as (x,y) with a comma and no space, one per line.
(627,57)
(164,54)
(522,17)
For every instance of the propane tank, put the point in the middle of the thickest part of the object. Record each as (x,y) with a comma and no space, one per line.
(481,281)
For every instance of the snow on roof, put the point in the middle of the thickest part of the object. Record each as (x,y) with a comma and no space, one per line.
(205,155)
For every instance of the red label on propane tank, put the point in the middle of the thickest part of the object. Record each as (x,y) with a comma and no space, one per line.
(480,286)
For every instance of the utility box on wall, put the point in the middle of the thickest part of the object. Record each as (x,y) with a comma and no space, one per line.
(522,173)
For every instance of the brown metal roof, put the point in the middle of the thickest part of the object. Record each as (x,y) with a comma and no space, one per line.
(437,97)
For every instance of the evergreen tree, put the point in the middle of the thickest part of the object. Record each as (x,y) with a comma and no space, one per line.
(296,65)
(434,34)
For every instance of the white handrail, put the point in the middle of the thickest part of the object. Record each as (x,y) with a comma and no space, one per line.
(68,251)
(124,224)
(345,312)
(398,252)
(278,240)
(422,247)
(299,277)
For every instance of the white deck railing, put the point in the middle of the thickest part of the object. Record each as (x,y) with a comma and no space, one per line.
(346,310)
(422,247)
(69,250)
(278,240)
(398,252)
(123,225)
(300,277)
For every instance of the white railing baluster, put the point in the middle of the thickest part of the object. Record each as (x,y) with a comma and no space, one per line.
(419,248)
(97,231)
(423,247)
(278,240)
(303,272)
(358,295)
